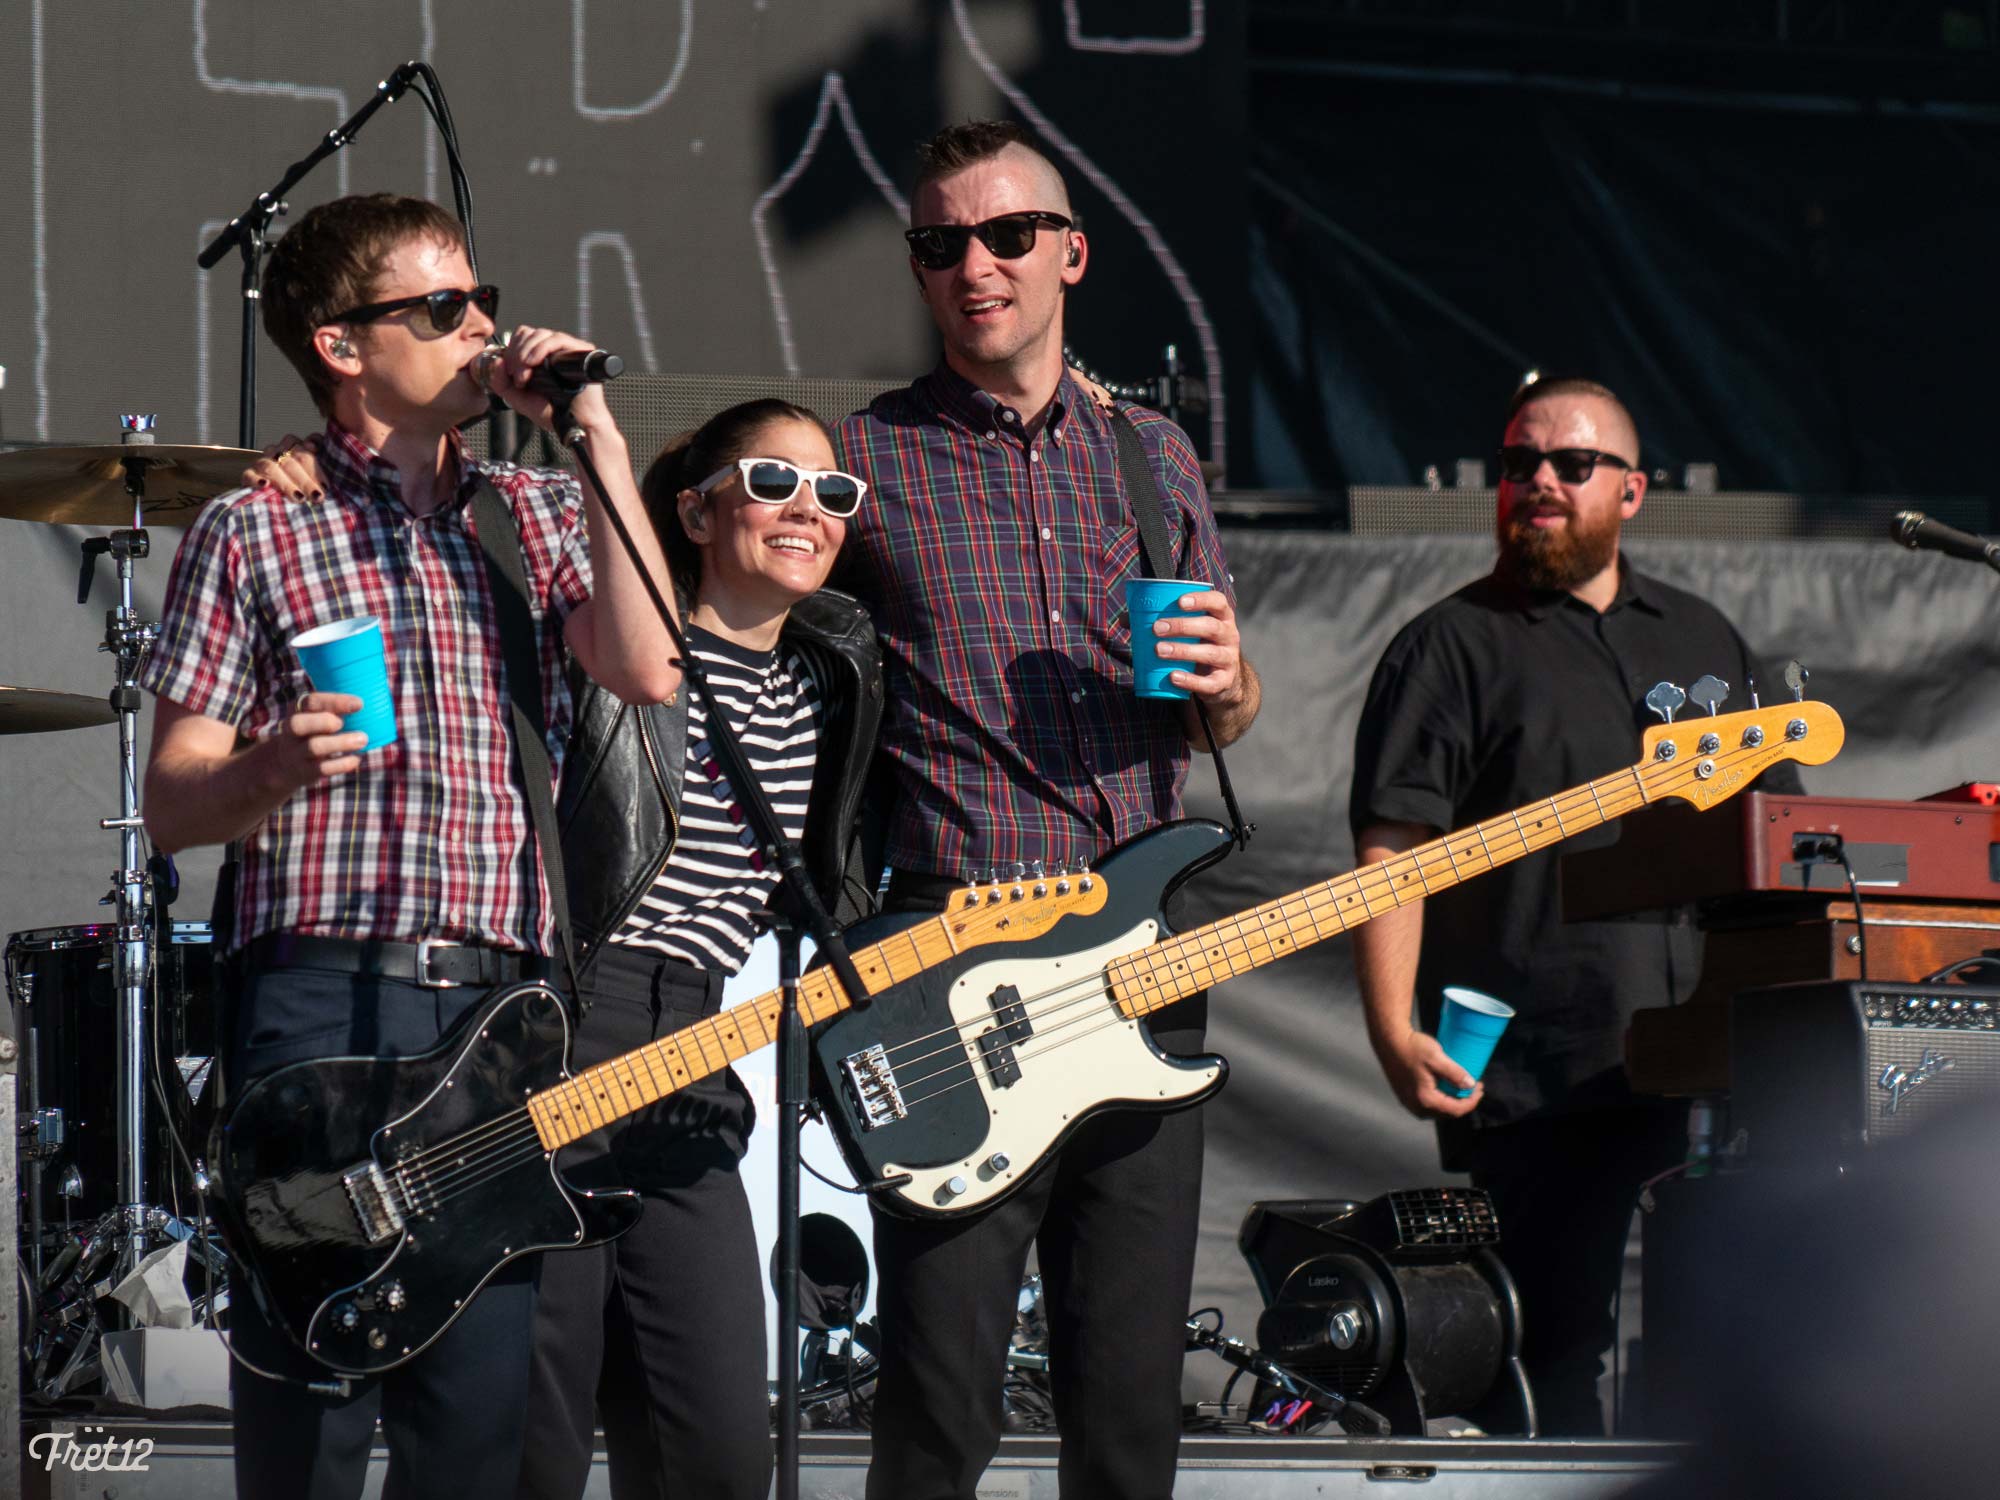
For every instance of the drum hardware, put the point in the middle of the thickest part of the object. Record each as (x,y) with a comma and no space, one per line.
(119,486)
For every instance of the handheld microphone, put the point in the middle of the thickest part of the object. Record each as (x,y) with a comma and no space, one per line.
(1919,532)
(556,377)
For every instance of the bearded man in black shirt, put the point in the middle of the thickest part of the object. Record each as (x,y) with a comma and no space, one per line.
(1524,683)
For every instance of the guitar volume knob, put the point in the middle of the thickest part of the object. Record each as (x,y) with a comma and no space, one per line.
(346,1317)
(955,1187)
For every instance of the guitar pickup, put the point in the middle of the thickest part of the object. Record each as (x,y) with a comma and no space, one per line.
(997,1045)
(374,1205)
(873,1083)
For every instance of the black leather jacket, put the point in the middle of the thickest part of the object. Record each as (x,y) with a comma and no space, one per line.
(618,810)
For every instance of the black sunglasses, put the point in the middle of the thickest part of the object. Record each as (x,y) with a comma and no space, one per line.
(1518,462)
(939,247)
(446,308)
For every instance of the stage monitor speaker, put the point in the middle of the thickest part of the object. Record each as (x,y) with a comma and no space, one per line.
(651,409)
(1824,1069)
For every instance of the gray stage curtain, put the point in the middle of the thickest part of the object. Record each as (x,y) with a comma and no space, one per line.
(1906,647)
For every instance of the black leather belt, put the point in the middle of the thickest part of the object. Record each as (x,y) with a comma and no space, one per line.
(435,965)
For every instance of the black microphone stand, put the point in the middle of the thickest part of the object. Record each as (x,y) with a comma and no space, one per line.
(248,230)
(800,911)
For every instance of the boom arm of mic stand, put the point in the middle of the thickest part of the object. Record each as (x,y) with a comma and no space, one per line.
(258,215)
(814,916)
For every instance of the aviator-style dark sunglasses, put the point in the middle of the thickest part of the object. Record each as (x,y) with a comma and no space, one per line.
(1518,462)
(939,247)
(446,308)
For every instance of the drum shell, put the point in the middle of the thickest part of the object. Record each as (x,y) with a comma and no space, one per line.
(62,987)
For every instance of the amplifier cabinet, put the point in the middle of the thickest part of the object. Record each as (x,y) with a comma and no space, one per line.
(1824,1069)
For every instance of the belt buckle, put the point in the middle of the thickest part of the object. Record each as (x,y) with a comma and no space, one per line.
(424,947)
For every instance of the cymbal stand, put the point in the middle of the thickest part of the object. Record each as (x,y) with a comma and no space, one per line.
(127,638)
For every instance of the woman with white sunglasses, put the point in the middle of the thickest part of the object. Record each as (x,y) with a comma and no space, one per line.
(661,1333)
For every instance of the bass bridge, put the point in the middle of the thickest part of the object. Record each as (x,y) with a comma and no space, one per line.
(384,1202)
(374,1200)
(873,1084)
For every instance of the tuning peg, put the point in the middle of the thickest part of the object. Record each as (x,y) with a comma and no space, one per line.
(1795,679)
(1035,869)
(1666,699)
(1709,692)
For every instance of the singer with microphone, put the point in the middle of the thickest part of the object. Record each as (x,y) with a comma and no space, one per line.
(382,892)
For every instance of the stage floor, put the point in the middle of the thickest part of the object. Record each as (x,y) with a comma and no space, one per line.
(190,1461)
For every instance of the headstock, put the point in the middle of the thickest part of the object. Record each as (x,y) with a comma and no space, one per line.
(1021,903)
(1710,759)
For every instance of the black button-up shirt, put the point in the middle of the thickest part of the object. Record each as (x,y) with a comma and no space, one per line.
(1496,697)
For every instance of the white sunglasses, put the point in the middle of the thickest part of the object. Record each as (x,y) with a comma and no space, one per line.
(774,481)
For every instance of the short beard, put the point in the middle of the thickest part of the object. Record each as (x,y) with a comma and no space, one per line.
(1555,560)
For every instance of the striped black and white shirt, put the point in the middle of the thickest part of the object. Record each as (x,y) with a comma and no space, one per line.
(704,907)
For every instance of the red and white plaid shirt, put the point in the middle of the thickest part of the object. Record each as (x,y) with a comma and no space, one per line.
(430,837)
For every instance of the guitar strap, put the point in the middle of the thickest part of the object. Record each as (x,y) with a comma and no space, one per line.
(1156,556)
(507,578)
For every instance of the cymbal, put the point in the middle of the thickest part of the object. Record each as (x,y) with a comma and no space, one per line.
(35,710)
(86,486)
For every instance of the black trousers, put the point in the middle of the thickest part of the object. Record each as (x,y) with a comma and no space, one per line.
(1114,1220)
(452,1416)
(1565,1187)
(659,1334)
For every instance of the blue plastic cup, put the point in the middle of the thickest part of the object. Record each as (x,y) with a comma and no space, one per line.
(1469,1029)
(1148,600)
(348,657)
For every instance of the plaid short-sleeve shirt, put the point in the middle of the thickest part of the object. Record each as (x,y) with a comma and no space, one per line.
(993,559)
(430,838)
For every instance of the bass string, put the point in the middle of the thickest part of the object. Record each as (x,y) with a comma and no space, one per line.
(437,1184)
(1085,1007)
(1435,856)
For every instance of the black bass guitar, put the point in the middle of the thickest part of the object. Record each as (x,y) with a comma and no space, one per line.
(368,1198)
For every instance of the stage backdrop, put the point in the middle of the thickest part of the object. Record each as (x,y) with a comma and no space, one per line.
(1796,287)
(708,185)
(1907,647)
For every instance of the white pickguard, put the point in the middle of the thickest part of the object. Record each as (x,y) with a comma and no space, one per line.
(1082,1055)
